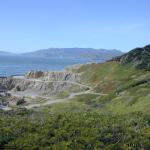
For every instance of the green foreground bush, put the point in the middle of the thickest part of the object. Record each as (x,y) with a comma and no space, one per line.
(73,131)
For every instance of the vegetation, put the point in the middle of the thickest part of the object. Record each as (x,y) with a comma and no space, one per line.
(139,57)
(127,87)
(119,120)
(63,94)
(87,130)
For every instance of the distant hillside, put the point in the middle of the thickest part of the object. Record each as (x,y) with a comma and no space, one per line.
(138,57)
(3,53)
(102,54)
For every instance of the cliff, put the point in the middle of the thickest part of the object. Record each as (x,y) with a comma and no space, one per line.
(53,75)
(42,84)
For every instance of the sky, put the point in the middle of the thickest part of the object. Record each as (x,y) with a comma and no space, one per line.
(28,25)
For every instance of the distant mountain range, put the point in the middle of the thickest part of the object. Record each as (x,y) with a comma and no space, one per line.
(3,53)
(102,54)
(89,53)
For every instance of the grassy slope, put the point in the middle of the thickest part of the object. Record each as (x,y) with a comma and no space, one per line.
(127,88)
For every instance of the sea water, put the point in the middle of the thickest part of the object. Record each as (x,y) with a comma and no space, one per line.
(18,65)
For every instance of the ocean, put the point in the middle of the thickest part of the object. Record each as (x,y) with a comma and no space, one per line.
(19,65)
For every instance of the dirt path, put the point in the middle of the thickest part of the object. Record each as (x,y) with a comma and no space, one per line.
(71,96)
(49,99)
(43,81)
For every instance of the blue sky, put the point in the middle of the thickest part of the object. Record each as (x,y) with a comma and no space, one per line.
(27,25)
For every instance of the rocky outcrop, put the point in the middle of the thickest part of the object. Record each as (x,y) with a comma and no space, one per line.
(53,75)
(139,58)
(39,83)
(35,74)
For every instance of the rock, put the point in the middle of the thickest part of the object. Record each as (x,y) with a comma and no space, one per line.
(53,75)
(34,74)
(2,94)
(21,101)
(18,88)
(42,84)
(8,94)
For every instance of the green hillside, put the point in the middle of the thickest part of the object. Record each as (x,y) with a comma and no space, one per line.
(117,120)
(127,87)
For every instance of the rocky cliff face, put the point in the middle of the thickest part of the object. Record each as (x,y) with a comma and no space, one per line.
(53,75)
(42,83)
(39,88)
(5,84)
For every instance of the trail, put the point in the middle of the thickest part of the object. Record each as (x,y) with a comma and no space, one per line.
(71,96)
(43,81)
(49,99)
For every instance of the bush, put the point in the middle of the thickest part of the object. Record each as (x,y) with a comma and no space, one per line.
(87,130)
